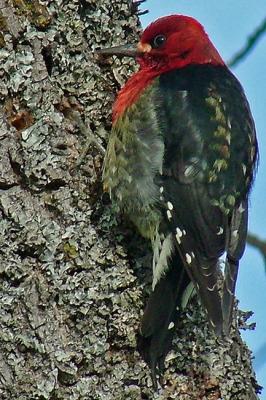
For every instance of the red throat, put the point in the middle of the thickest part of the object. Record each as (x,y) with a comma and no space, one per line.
(132,90)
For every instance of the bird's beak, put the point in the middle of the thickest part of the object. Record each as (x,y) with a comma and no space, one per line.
(128,50)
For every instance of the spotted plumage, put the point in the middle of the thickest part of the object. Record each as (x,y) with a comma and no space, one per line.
(180,164)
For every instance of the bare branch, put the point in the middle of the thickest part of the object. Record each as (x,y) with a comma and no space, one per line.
(250,44)
(135,7)
(258,243)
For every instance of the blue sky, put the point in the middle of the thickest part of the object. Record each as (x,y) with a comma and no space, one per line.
(228,24)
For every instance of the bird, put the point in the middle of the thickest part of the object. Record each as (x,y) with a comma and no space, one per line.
(180,163)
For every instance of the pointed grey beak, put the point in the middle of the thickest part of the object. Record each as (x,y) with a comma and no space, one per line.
(127,50)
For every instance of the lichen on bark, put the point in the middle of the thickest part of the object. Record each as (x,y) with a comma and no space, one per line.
(72,289)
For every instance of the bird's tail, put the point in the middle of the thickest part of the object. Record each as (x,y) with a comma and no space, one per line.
(235,249)
(161,314)
(231,271)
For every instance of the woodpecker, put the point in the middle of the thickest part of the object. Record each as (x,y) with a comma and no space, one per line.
(180,164)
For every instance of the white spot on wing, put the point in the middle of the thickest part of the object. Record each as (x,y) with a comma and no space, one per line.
(178,235)
(221,231)
(161,189)
(235,233)
(171,325)
(179,232)
(170,206)
(178,239)
(188,258)
(169,215)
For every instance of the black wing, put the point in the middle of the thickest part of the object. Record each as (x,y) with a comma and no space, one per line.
(210,151)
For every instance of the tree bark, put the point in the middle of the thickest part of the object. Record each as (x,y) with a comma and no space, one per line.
(74,279)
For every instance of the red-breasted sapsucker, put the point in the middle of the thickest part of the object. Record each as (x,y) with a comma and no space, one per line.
(180,164)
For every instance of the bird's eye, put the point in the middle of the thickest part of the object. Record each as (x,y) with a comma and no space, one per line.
(158,41)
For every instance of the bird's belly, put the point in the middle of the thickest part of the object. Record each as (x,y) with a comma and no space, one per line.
(129,177)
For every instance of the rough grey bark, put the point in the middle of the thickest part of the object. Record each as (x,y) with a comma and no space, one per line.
(72,283)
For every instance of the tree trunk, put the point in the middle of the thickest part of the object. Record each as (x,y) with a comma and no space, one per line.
(72,289)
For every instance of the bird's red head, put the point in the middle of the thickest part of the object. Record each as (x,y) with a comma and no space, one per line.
(174,42)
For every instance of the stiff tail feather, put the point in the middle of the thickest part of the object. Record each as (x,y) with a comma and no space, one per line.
(161,315)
